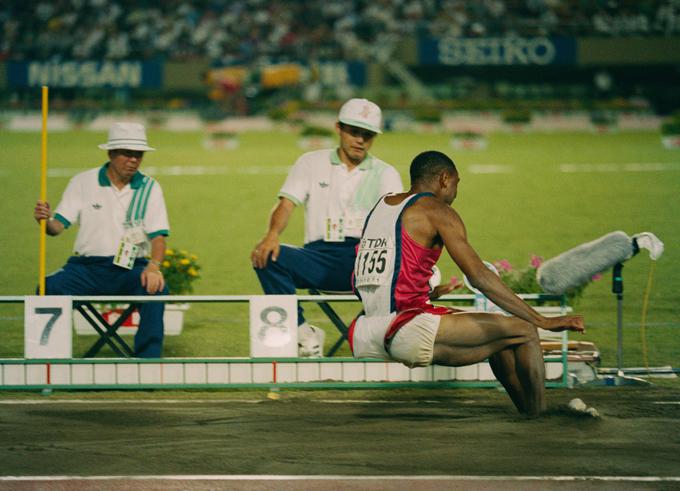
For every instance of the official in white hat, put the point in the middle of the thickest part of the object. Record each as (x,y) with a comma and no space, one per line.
(128,136)
(337,188)
(122,224)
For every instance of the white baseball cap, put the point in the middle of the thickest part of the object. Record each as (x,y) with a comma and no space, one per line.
(127,136)
(361,113)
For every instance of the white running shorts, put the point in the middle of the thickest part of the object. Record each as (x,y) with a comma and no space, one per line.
(413,344)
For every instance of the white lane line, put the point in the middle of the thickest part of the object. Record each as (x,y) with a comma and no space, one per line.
(273,477)
(490,169)
(185,170)
(675,403)
(13,402)
(631,167)
(204,170)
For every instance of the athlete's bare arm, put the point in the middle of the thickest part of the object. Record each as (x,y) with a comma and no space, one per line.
(270,244)
(449,228)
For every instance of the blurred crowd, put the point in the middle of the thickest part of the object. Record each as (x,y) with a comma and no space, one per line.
(247,31)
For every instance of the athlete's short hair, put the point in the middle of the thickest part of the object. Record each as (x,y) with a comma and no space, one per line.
(430,164)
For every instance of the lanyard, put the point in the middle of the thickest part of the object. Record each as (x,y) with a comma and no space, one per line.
(140,199)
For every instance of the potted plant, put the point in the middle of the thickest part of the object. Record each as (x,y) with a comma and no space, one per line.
(180,269)
(524,280)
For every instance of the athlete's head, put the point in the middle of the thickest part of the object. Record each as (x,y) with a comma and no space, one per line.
(435,172)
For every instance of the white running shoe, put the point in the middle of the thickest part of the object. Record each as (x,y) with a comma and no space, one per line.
(310,341)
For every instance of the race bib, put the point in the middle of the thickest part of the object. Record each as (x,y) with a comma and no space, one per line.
(374,257)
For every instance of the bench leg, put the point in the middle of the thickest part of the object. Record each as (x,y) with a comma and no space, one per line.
(108,336)
(338,323)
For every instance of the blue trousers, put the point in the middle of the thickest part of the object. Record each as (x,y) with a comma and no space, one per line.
(321,265)
(99,276)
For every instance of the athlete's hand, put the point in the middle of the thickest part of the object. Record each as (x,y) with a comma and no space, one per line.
(42,211)
(564,323)
(266,247)
(152,279)
(445,288)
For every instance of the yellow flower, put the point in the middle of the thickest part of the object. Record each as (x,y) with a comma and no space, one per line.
(169,252)
(192,271)
(194,257)
(184,262)
(166,264)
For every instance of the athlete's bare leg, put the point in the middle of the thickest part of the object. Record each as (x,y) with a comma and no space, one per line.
(504,368)
(521,370)
(512,346)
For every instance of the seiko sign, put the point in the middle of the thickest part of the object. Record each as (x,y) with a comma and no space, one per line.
(85,74)
(497,51)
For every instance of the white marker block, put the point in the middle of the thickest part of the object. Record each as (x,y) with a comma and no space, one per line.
(47,326)
(330,371)
(273,326)
(104,374)
(172,373)
(309,372)
(218,373)
(241,373)
(376,372)
(196,373)
(287,372)
(82,374)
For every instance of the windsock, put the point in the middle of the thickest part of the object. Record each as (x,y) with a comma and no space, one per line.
(577,266)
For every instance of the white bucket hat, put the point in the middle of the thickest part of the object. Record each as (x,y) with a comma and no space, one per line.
(127,136)
(361,113)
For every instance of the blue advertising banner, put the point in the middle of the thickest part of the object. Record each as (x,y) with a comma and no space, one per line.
(85,74)
(497,51)
(332,73)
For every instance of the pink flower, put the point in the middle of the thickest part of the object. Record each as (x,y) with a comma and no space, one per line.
(536,261)
(596,277)
(503,265)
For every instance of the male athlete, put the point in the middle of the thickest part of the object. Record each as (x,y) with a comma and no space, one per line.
(337,188)
(403,238)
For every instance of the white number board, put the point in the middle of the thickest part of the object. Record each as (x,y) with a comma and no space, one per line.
(273,326)
(47,326)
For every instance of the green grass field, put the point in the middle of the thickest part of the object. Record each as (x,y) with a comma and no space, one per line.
(531,207)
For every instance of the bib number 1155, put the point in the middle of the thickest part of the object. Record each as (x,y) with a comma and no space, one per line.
(372,265)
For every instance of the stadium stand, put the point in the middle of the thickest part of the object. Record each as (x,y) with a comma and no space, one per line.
(248,31)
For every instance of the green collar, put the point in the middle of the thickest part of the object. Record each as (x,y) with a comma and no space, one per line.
(105,181)
(365,164)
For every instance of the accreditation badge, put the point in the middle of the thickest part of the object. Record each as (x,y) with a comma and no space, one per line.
(126,255)
(335,230)
(354,223)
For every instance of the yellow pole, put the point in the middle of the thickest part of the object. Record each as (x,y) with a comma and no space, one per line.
(43,187)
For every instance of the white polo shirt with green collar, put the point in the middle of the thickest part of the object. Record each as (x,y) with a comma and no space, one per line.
(101,210)
(321,182)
